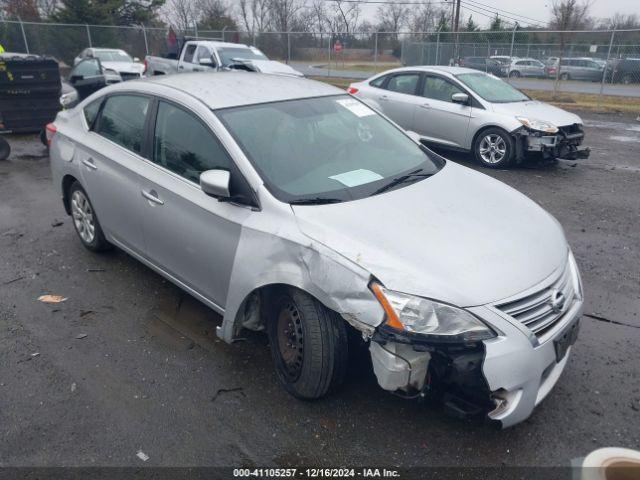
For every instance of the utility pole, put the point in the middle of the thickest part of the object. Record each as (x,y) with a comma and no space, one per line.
(456,23)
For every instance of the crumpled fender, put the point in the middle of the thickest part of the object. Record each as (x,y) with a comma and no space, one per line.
(274,251)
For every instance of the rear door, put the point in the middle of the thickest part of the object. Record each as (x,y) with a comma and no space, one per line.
(437,118)
(109,160)
(190,235)
(398,99)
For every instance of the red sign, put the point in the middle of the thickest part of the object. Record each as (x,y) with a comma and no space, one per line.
(337,47)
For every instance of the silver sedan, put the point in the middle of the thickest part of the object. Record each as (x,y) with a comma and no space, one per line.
(293,208)
(473,111)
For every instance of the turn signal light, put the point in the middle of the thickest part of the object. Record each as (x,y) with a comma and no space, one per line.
(352,90)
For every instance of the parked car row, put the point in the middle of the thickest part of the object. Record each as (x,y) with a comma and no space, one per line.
(291,207)
(625,70)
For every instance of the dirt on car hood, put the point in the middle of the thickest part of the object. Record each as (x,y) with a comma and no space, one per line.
(458,236)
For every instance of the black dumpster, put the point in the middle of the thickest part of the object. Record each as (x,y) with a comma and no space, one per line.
(29,93)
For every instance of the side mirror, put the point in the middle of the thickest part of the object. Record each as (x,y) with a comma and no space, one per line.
(216,183)
(414,136)
(136,59)
(207,62)
(461,98)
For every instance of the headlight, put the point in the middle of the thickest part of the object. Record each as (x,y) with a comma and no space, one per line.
(539,125)
(441,322)
(67,99)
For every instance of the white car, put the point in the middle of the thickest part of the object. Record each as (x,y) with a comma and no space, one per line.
(114,59)
(465,109)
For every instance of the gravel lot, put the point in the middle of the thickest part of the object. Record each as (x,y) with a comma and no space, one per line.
(151,375)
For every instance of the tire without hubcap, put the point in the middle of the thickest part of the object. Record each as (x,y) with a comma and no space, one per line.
(308,344)
(494,148)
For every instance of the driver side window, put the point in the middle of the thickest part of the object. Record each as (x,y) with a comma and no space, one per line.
(438,88)
(188,53)
(87,68)
(204,53)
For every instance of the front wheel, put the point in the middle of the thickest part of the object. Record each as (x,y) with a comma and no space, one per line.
(308,344)
(514,74)
(494,148)
(627,79)
(564,76)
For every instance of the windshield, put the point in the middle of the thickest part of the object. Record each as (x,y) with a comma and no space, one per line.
(228,54)
(326,149)
(112,56)
(491,88)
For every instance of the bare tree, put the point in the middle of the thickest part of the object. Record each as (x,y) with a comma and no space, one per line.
(47,7)
(346,17)
(254,15)
(392,17)
(567,15)
(181,13)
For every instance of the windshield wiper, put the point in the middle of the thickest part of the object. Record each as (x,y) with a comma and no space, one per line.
(415,175)
(315,201)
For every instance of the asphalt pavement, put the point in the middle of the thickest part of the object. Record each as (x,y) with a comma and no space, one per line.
(128,363)
(573,86)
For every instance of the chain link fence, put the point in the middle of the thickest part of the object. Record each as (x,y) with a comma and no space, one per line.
(571,60)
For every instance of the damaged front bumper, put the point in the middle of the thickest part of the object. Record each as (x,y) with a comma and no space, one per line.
(565,144)
(501,379)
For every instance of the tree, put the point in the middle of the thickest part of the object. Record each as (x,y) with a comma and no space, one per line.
(392,17)
(471,26)
(215,15)
(181,14)
(24,9)
(346,17)
(108,12)
(496,24)
(569,14)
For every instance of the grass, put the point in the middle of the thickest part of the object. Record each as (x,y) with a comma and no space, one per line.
(569,100)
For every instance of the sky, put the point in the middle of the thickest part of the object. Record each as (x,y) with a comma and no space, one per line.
(535,9)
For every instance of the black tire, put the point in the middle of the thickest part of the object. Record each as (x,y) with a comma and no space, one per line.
(309,344)
(514,74)
(98,242)
(565,76)
(43,137)
(509,148)
(5,149)
(627,79)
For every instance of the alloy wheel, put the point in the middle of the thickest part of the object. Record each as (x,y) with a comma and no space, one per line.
(492,148)
(83,217)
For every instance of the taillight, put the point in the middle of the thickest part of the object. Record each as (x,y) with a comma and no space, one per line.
(51,131)
(352,90)
(146,65)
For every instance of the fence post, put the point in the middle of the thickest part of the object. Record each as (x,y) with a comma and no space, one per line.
(88,35)
(288,47)
(513,38)
(146,44)
(329,69)
(606,66)
(438,45)
(375,51)
(24,36)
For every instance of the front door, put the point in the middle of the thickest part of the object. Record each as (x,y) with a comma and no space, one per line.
(437,118)
(193,237)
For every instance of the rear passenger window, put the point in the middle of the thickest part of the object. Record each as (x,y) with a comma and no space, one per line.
(188,53)
(405,83)
(184,145)
(122,120)
(91,112)
(378,81)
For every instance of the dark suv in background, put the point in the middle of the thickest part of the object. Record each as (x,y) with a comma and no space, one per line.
(626,70)
(488,65)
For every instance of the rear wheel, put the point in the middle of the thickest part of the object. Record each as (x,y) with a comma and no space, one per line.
(5,149)
(514,74)
(627,78)
(494,148)
(308,344)
(85,220)
(564,76)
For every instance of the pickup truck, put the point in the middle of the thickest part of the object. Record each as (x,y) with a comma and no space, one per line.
(208,55)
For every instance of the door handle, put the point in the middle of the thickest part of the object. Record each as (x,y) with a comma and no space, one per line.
(383,97)
(425,106)
(89,164)
(152,196)
(180,67)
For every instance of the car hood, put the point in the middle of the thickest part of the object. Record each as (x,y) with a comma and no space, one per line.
(539,111)
(460,237)
(124,67)
(271,66)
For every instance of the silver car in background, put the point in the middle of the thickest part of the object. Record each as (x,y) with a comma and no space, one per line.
(473,111)
(293,208)
(527,67)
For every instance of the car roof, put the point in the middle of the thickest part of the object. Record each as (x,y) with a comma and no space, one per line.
(215,43)
(233,89)
(106,49)
(432,68)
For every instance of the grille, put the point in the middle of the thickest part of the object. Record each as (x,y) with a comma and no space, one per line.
(536,310)
(129,76)
(571,129)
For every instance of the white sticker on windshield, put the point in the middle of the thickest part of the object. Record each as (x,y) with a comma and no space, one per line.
(357,108)
(357,177)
